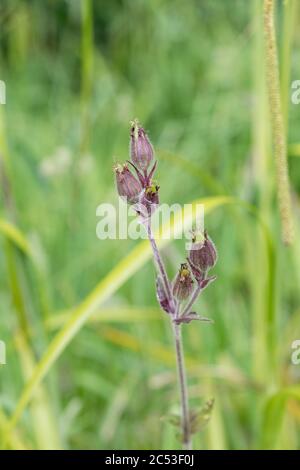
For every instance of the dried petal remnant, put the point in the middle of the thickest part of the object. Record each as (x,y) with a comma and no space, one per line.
(162,297)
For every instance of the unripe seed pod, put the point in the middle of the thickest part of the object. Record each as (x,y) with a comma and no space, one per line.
(203,254)
(128,186)
(140,147)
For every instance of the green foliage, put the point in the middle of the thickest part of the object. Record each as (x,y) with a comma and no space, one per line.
(88,351)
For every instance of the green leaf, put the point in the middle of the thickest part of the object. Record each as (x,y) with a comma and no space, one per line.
(273,414)
(294,150)
(109,315)
(14,441)
(13,234)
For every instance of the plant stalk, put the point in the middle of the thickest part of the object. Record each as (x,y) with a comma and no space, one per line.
(185,413)
(192,300)
(276,115)
(159,261)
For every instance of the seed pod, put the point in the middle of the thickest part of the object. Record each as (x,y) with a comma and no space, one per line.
(203,254)
(140,147)
(183,283)
(128,186)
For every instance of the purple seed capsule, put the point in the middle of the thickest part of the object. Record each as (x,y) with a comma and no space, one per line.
(128,186)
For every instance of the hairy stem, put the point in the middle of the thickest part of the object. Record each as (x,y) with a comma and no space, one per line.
(192,300)
(185,414)
(279,138)
(288,25)
(159,262)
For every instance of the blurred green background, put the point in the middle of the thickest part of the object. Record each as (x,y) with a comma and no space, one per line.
(76,72)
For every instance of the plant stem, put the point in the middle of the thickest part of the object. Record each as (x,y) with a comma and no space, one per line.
(288,24)
(279,138)
(87,60)
(159,261)
(192,300)
(185,414)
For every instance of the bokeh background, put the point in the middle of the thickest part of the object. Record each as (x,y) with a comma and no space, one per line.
(76,73)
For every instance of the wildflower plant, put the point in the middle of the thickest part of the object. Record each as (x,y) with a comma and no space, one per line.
(135,184)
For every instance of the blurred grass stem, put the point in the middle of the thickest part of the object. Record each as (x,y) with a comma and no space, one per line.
(276,116)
